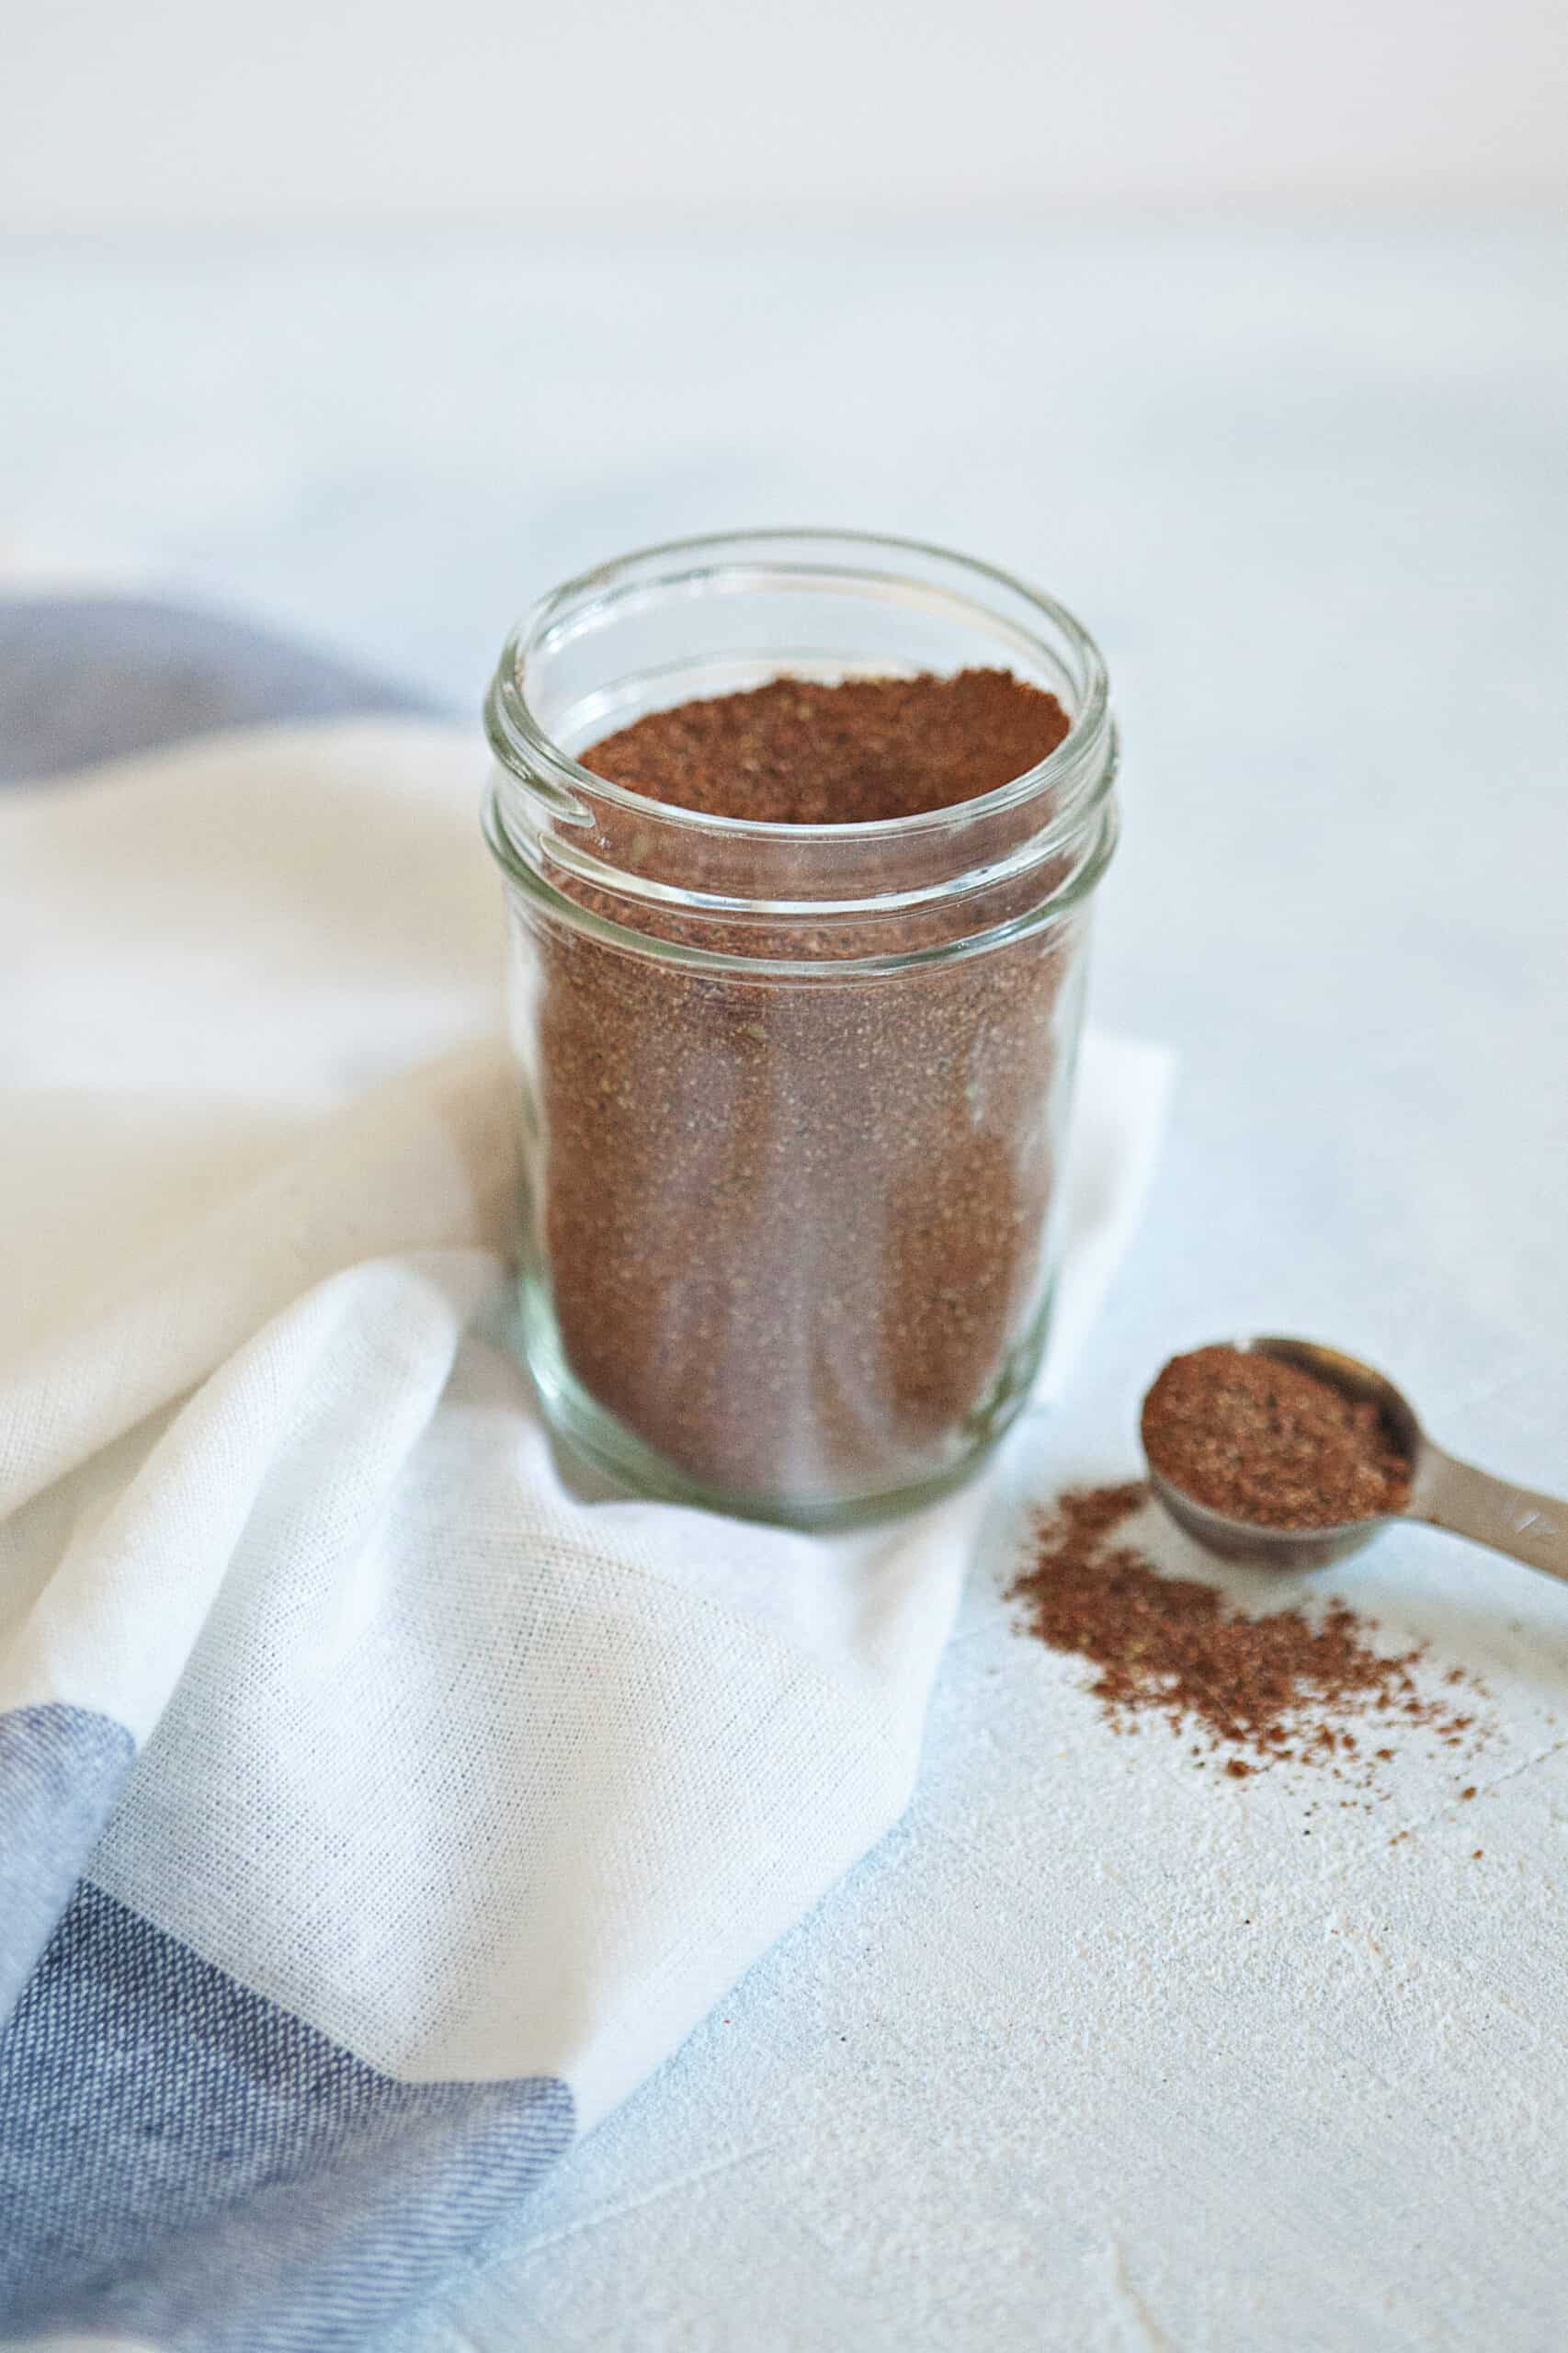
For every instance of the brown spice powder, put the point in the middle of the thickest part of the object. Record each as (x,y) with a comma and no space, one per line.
(1267,1441)
(799,752)
(794,1229)
(1288,1686)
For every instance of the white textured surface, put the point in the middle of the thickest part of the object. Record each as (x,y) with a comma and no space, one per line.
(1093,2052)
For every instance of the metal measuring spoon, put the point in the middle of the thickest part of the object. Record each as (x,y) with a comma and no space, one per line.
(1443,1492)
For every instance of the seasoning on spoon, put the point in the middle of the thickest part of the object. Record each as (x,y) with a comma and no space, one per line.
(1266,1441)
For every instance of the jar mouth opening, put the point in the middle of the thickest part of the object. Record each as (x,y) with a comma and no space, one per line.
(851,559)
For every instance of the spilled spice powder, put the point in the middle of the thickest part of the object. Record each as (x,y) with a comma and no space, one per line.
(1267,1441)
(1290,1686)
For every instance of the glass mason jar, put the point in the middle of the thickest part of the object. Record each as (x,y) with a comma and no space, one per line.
(792,1098)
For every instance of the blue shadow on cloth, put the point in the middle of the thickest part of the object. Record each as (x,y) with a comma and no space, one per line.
(184,2162)
(61,1770)
(83,679)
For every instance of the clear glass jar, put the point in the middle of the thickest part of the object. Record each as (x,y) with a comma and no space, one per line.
(792,1097)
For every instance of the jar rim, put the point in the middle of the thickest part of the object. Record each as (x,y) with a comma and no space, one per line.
(517,738)
(820,970)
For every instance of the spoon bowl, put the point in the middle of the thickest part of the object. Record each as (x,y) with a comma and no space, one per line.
(1443,1492)
(1295,1549)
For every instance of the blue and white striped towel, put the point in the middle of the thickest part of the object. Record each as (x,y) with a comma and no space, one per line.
(373,1813)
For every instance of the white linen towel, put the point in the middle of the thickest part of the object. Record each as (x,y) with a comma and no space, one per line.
(391,1766)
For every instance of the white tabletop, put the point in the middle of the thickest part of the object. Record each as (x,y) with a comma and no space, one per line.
(1096,2052)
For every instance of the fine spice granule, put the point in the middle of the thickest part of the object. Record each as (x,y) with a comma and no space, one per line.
(1266,1441)
(799,752)
(1288,1686)
(794,1227)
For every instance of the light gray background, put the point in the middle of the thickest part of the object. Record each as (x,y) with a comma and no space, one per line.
(537,112)
(1094,2052)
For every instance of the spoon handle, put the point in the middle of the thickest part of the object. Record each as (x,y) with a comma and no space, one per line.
(1531,1528)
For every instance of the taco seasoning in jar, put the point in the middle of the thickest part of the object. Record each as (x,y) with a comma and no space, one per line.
(800,832)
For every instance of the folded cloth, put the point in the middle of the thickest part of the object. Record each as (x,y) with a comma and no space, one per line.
(375,1812)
